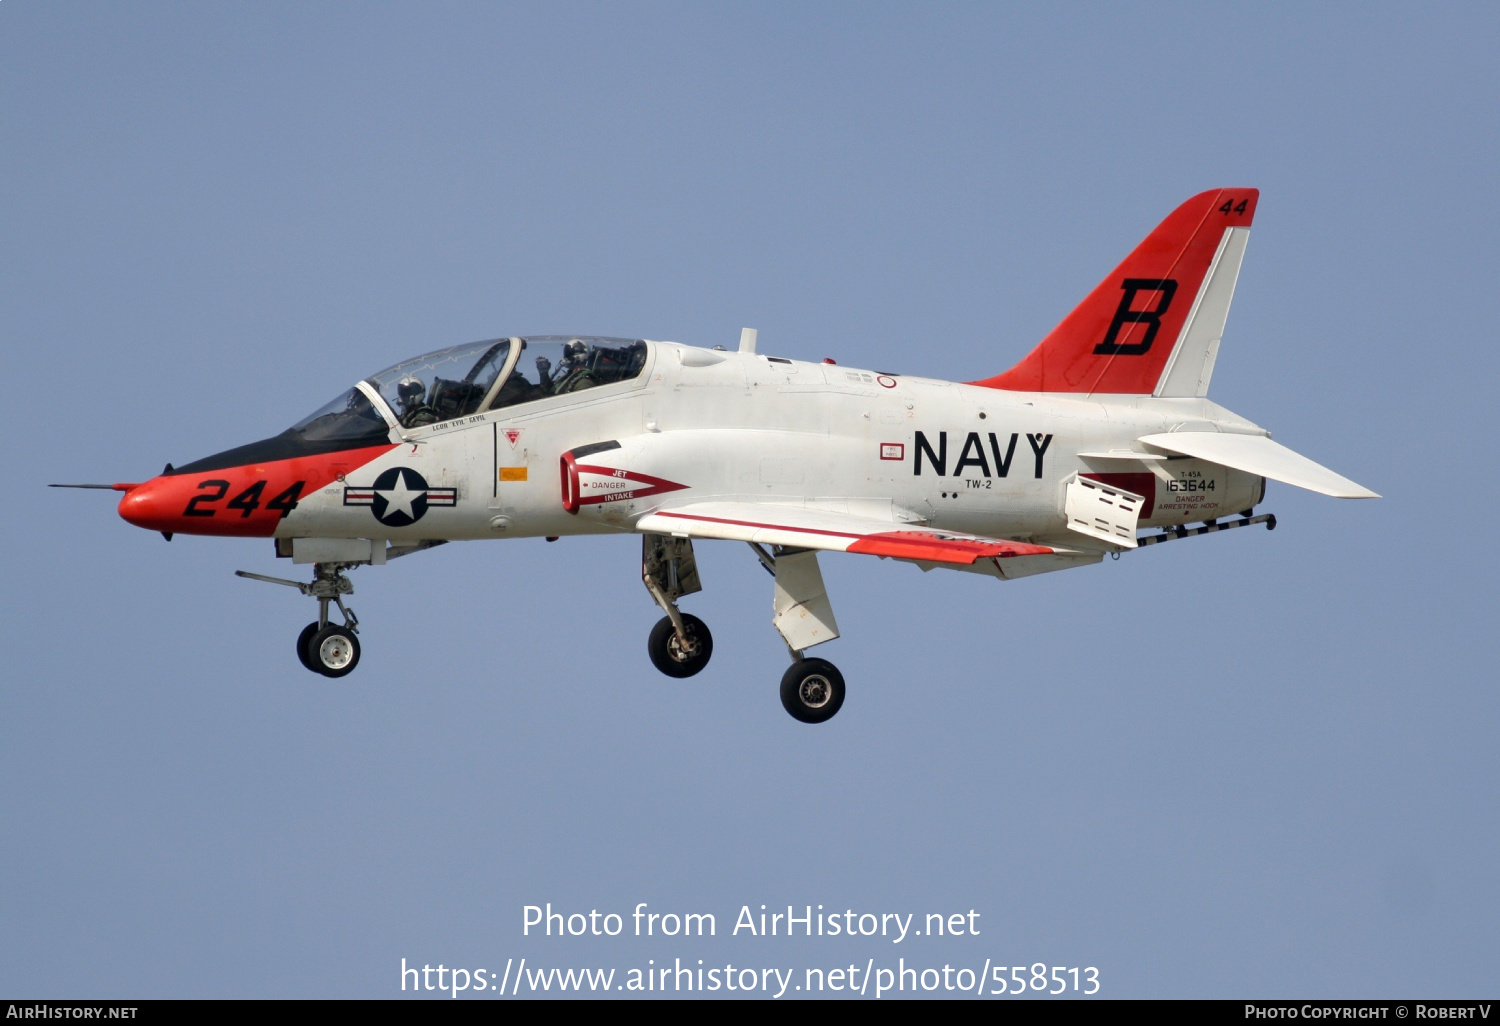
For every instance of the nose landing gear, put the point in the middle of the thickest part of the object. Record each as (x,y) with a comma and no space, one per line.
(323,647)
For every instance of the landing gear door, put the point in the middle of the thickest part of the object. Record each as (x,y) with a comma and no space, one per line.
(803,614)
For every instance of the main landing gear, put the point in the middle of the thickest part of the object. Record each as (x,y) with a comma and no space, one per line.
(680,644)
(680,652)
(812,690)
(323,647)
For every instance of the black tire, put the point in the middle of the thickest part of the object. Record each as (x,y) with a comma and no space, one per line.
(302,640)
(333,651)
(812,690)
(666,652)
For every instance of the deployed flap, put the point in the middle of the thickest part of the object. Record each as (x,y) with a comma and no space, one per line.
(800,527)
(1257,454)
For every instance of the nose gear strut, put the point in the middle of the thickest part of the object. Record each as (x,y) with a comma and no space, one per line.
(323,647)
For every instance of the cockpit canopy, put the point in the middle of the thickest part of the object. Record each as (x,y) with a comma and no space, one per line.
(350,418)
(473,378)
(448,383)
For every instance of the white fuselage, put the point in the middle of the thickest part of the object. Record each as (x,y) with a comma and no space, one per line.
(732,426)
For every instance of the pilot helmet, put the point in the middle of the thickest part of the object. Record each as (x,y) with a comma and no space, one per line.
(575,350)
(410,390)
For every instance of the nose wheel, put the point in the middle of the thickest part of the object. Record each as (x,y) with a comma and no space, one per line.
(302,640)
(332,651)
(324,647)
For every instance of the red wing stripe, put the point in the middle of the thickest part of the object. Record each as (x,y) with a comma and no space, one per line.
(752,523)
(916,545)
(898,544)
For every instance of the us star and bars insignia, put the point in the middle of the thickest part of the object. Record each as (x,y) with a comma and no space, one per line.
(400,496)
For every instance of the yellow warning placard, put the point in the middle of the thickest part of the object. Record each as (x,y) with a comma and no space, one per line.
(512,473)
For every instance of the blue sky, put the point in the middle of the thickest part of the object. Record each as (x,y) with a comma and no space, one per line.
(1253,764)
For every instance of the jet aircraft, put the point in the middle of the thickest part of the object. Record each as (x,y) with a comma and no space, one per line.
(1100,441)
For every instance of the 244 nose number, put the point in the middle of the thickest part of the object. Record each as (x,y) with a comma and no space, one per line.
(246,502)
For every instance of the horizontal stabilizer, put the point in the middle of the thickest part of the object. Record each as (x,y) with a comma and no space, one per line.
(1257,454)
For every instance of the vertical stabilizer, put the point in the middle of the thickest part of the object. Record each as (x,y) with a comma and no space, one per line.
(1192,361)
(1153,325)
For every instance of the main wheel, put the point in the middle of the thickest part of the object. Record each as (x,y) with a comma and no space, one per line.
(812,690)
(670,656)
(333,651)
(302,640)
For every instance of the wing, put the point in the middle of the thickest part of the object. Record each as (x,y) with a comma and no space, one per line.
(810,528)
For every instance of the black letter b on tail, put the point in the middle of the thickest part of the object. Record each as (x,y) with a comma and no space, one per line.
(1125,315)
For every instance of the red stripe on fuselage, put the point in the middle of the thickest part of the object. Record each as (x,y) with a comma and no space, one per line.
(237,501)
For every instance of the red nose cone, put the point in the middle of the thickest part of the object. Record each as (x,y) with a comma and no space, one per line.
(224,502)
(153,505)
(247,500)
